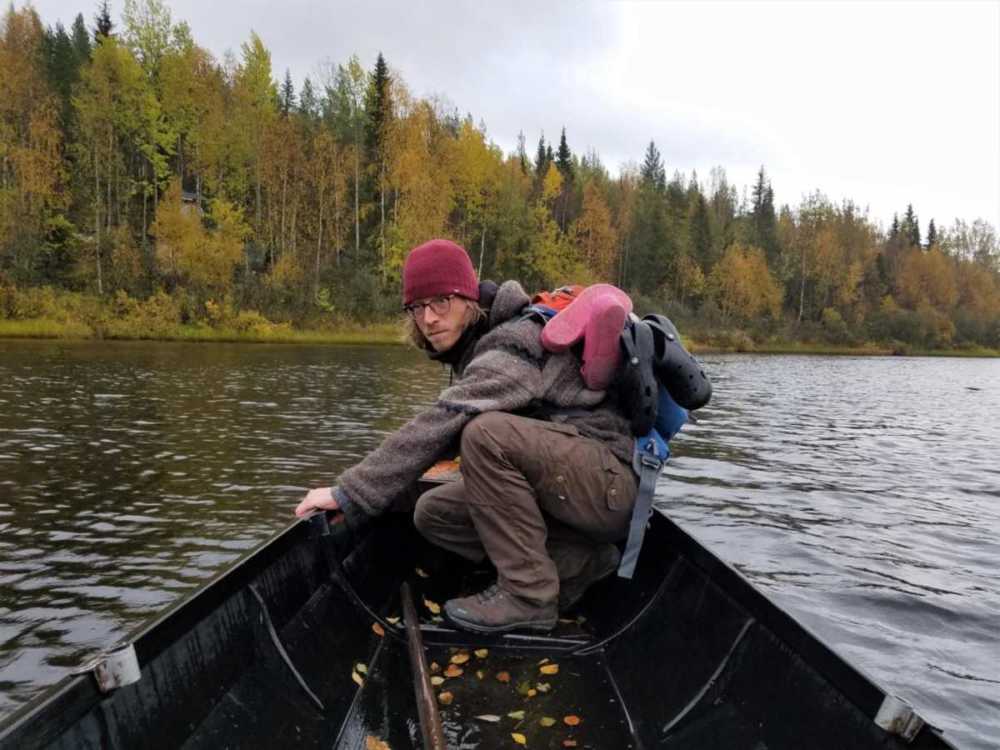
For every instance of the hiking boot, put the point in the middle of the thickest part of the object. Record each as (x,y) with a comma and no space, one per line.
(601,564)
(497,611)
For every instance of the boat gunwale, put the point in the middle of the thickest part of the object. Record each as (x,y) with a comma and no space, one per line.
(849,680)
(69,699)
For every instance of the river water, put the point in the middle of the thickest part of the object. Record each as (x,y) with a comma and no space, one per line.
(863,494)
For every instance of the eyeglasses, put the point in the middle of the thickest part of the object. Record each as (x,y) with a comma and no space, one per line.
(438,306)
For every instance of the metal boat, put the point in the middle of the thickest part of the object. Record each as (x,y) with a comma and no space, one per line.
(304,642)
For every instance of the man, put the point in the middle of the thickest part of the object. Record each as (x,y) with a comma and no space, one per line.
(543,498)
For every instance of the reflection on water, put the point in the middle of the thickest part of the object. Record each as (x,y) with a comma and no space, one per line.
(860,493)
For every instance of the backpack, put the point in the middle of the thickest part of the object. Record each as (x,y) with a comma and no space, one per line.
(545,305)
(659,384)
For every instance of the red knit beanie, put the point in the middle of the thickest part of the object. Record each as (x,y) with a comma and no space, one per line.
(438,267)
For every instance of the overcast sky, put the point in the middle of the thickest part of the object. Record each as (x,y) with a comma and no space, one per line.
(884,103)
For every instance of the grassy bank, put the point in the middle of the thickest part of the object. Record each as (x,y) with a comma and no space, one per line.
(867,349)
(377,333)
(388,333)
(52,313)
(791,347)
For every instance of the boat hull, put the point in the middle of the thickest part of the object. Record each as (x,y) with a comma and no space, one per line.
(686,655)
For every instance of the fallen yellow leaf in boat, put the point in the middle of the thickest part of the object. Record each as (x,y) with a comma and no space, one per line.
(362,669)
(357,678)
(460,658)
(544,661)
(571,720)
(482,653)
(543,687)
(503,676)
(547,721)
(549,669)
(374,743)
(435,667)
(480,673)
(434,607)
(422,573)
(532,692)
(516,715)
(392,620)
(519,738)
(492,718)
(445,698)
(437,680)
(453,671)
(569,743)
(377,629)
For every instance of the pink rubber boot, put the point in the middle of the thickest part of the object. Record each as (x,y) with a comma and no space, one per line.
(601,349)
(597,316)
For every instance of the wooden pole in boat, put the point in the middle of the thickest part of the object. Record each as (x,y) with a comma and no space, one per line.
(427,709)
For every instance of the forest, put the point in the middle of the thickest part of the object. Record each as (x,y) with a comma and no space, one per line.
(147,187)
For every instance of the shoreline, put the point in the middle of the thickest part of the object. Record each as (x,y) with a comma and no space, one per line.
(388,334)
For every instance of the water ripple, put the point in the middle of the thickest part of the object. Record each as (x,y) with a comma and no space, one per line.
(860,493)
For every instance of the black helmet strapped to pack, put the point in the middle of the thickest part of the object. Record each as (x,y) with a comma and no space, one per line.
(637,382)
(675,367)
(653,355)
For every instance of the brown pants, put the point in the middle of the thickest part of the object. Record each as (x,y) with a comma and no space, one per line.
(536,497)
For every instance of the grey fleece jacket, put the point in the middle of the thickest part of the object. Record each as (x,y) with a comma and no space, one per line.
(507,371)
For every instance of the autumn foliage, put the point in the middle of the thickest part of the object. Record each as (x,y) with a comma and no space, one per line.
(135,163)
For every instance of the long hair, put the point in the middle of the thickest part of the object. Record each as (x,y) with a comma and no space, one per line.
(411,331)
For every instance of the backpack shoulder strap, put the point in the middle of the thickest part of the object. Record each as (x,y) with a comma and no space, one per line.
(539,313)
(648,459)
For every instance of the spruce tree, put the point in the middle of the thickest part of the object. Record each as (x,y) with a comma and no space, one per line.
(103,25)
(911,227)
(522,152)
(764,222)
(894,242)
(652,171)
(677,203)
(308,105)
(81,39)
(932,237)
(286,97)
(564,212)
(377,109)
(700,232)
(61,68)
(759,192)
(541,158)
(564,158)
(652,245)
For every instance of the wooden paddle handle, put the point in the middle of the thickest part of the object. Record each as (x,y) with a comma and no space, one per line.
(427,708)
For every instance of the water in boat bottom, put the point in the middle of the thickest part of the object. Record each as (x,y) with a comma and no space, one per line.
(861,494)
